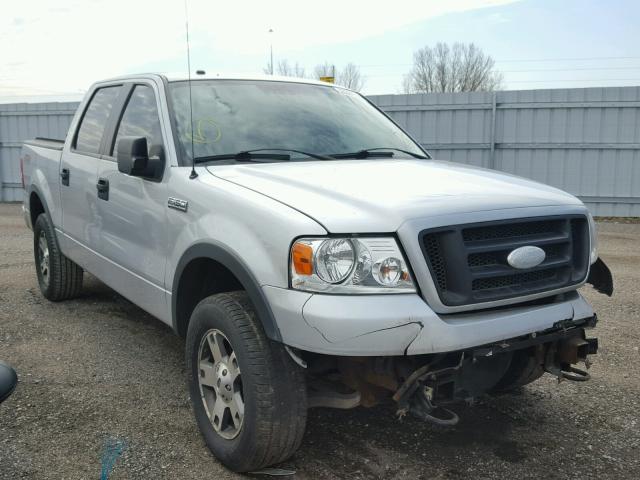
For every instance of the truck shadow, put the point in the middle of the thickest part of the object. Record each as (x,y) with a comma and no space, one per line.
(107,301)
(373,442)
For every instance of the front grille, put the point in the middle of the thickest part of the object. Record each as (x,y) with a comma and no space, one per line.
(432,245)
(469,262)
(508,231)
(512,280)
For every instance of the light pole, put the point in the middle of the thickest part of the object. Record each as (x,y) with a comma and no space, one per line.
(271,48)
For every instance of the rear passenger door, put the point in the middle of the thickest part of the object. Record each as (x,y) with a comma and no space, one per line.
(79,174)
(132,213)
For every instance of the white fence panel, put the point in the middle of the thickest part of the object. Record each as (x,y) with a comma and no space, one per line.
(23,121)
(585,141)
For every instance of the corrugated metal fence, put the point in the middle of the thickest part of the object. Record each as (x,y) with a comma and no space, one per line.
(585,141)
(20,122)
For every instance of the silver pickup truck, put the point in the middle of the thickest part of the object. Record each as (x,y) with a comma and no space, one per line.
(310,252)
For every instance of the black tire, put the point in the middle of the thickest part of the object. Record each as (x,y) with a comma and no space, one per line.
(63,279)
(273,386)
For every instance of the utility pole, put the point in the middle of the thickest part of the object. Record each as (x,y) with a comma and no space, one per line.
(271,48)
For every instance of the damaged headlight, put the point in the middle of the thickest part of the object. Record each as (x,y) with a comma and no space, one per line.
(350,265)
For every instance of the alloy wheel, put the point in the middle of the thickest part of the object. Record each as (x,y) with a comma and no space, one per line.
(220,384)
(43,258)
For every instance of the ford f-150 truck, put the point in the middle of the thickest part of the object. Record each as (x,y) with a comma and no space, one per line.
(310,252)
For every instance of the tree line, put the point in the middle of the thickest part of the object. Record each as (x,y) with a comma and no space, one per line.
(457,67)
(349,76)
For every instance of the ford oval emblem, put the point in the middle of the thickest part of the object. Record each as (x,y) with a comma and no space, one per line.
(526,257)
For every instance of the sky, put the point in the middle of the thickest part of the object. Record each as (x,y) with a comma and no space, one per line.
(61,47)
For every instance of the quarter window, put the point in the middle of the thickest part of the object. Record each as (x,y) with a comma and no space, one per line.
(140,118)
(95,119)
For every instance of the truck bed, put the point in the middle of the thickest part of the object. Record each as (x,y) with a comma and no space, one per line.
(52,143)
(40,159)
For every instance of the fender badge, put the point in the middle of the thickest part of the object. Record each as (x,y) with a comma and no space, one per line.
(178,204)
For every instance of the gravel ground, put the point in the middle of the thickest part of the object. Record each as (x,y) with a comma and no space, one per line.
(99,376)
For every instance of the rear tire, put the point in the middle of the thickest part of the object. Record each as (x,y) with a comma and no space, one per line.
(266,385)
(58,277)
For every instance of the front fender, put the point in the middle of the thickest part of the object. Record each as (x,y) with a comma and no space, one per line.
(248,233)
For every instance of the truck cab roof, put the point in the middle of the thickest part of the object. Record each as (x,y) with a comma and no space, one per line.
(181,77)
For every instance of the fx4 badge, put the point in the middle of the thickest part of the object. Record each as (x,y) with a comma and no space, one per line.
(178,204)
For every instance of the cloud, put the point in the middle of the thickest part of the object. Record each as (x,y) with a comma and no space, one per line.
(497,18)
(71,45)
(243,26)
(66,49)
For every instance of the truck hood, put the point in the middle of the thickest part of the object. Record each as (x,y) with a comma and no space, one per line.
(380,195)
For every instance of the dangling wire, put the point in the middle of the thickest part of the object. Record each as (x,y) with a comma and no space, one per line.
(193,157)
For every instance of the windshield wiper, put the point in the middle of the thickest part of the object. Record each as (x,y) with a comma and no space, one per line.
(254,154)
(372,152)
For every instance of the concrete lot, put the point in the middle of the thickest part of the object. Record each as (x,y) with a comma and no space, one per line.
(98,371)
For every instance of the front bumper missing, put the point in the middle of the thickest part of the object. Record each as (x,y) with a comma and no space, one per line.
(560,331)
(555,350)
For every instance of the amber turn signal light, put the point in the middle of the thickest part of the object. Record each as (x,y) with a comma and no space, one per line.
(302,256)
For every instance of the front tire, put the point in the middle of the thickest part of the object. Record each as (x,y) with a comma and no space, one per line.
(58,277)
(249,397)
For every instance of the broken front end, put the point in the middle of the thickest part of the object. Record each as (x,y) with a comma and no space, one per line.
(426,385)
(369,349)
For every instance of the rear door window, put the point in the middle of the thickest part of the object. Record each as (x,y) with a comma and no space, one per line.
(140,118)
(95,119)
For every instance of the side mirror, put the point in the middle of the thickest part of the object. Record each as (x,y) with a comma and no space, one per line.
(134,159)
(8,381)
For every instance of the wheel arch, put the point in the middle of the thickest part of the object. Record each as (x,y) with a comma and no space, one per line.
(229,264)
(37,204)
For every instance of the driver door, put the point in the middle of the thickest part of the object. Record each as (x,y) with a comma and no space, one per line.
(132,210)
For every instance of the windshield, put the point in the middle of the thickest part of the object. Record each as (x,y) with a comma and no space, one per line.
(232,116)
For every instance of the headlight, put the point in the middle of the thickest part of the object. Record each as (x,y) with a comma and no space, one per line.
(349,265)
(334,260)
(593,235)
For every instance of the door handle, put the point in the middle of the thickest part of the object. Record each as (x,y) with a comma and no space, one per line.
(64,176)
(103,188)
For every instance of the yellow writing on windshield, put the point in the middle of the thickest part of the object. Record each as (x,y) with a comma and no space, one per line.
(206,131)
